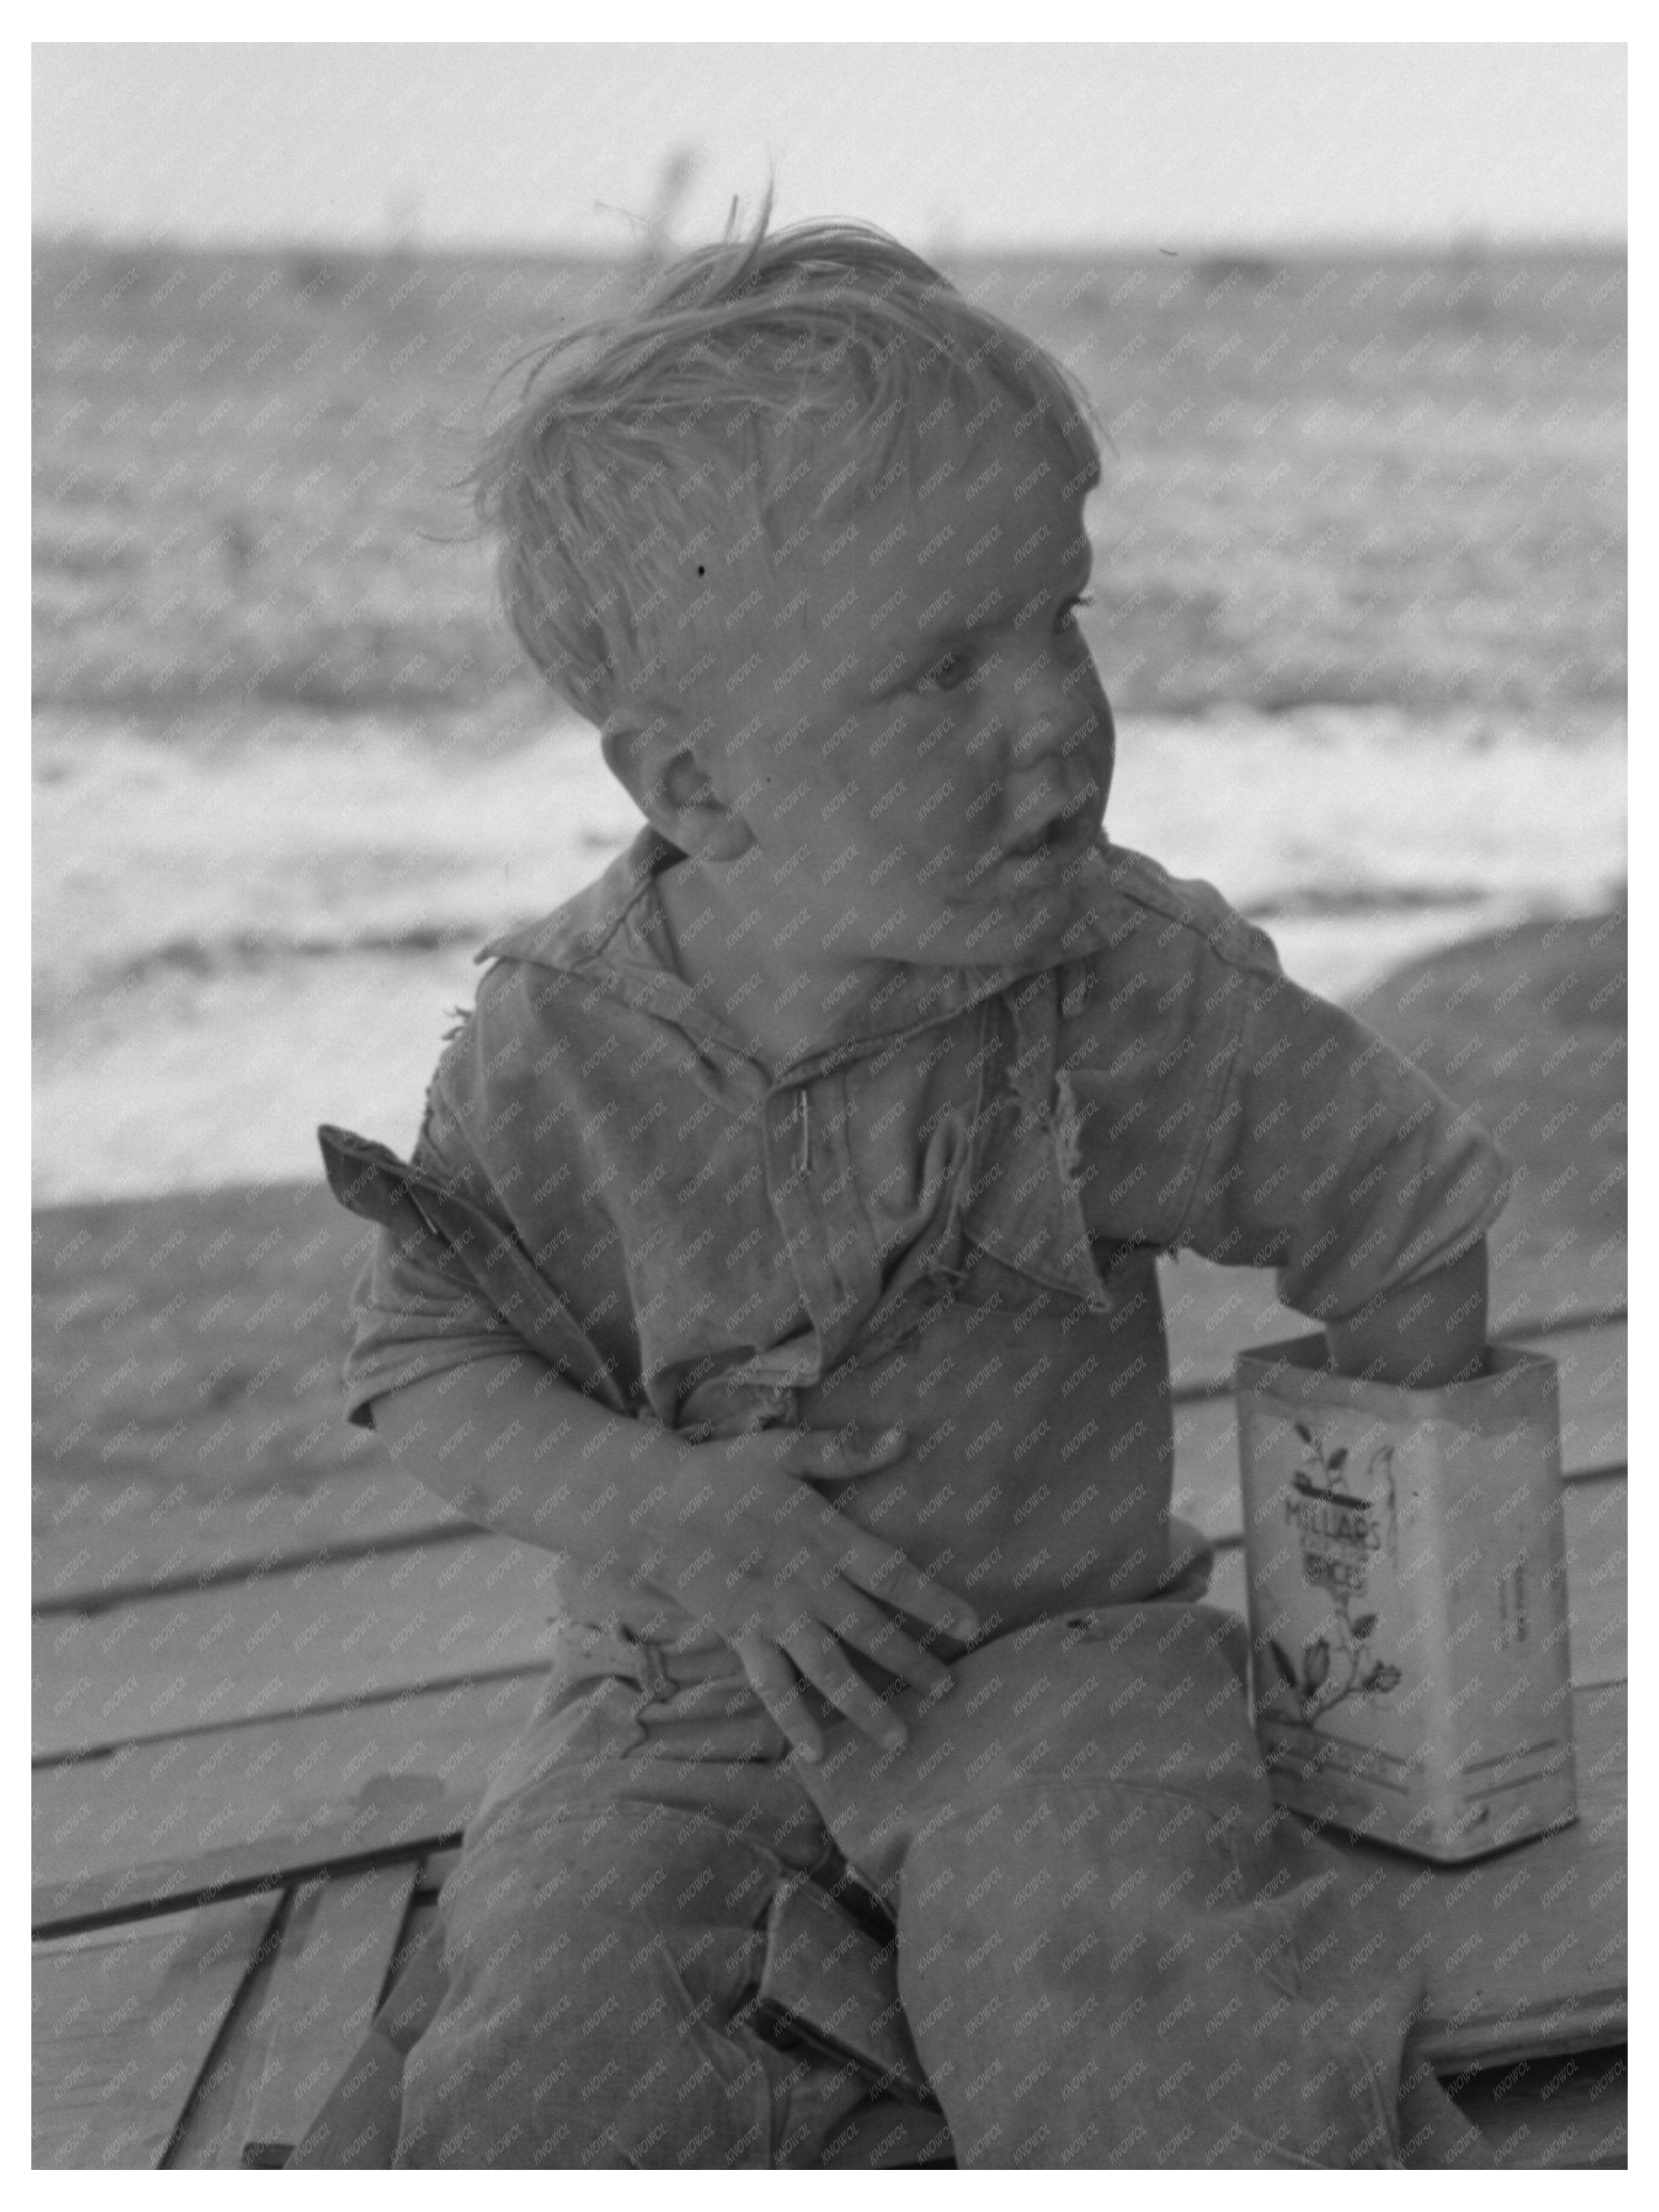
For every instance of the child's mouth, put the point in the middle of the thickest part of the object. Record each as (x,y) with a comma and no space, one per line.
(1045,839)
(1057,840)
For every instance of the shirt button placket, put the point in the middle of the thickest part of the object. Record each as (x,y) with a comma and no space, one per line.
(787,1184)
(818,1210)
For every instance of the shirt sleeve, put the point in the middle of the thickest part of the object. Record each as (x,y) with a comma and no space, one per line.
(417,1307)
(415,1314)
(1330,1157)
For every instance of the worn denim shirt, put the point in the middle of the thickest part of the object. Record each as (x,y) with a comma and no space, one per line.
(943,1218)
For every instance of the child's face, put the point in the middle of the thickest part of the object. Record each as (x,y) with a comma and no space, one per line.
(934,748)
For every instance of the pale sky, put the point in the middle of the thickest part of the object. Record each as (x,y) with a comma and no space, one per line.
(1087,145)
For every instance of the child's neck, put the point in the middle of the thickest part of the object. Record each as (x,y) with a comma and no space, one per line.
(761,978)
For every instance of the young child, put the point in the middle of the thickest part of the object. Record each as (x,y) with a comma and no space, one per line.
(779,1250)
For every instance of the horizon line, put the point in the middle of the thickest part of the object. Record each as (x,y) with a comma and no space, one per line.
(1471,244)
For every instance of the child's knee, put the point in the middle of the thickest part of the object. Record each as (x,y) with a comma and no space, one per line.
(617,2048)
(594,2012)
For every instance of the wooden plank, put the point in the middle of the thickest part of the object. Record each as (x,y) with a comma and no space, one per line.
(1545,2114)
(1207,1483)
(256,1797)
(87,1554)
(158,1667)
(187,1401)
(1596,1517)
(123,2022)
(185,1556)
(299,2021)
(331,1988)
(1596,1539)
(1526,1950)
(1593,1377)
(356,2125)
(435,1870)
(421,1918)
(117,1901)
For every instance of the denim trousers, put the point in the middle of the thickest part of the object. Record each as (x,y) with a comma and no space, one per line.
(1065,1927)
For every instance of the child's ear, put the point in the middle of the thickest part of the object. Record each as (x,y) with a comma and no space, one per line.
(646,751)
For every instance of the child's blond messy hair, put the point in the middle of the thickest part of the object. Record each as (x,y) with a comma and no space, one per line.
(663,461)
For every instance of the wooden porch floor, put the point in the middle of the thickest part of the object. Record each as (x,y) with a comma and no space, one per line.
(252,1763)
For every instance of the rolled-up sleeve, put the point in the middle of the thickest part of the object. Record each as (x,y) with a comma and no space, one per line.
(1331,1158)
(415,1314)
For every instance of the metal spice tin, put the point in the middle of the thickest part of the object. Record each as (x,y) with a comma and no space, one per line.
(1408,1599)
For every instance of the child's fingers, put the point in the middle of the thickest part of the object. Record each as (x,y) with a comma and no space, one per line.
(888,1574)
(778,1686)
(871,1628)
(824,1664)
(848,1451)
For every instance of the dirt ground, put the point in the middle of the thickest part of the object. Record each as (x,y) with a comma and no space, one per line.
(1387,479)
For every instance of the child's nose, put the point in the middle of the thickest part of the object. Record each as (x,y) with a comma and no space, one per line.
(1055,754)
(1056,735)
(1038,736)
(1051,699)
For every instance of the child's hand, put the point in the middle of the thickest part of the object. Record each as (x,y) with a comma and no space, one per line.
(1426,1335)
(742,1539)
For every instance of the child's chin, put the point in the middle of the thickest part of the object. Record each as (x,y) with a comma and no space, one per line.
(1040,923)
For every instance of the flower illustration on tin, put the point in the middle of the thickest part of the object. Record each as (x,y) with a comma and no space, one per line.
(1339,1534)
(1335,1666)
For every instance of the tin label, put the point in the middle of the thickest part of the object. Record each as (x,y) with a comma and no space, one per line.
(1344,1523)
(1407,1601)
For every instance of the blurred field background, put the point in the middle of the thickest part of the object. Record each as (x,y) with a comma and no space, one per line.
(1360,483)
(1359,601)
(1359,604)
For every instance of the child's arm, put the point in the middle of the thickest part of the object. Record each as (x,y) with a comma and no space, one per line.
(1423,1334)
(731,1530)
(1272,1130)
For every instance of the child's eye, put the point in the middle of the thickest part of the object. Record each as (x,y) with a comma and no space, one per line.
(1067,617)
(946,674)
